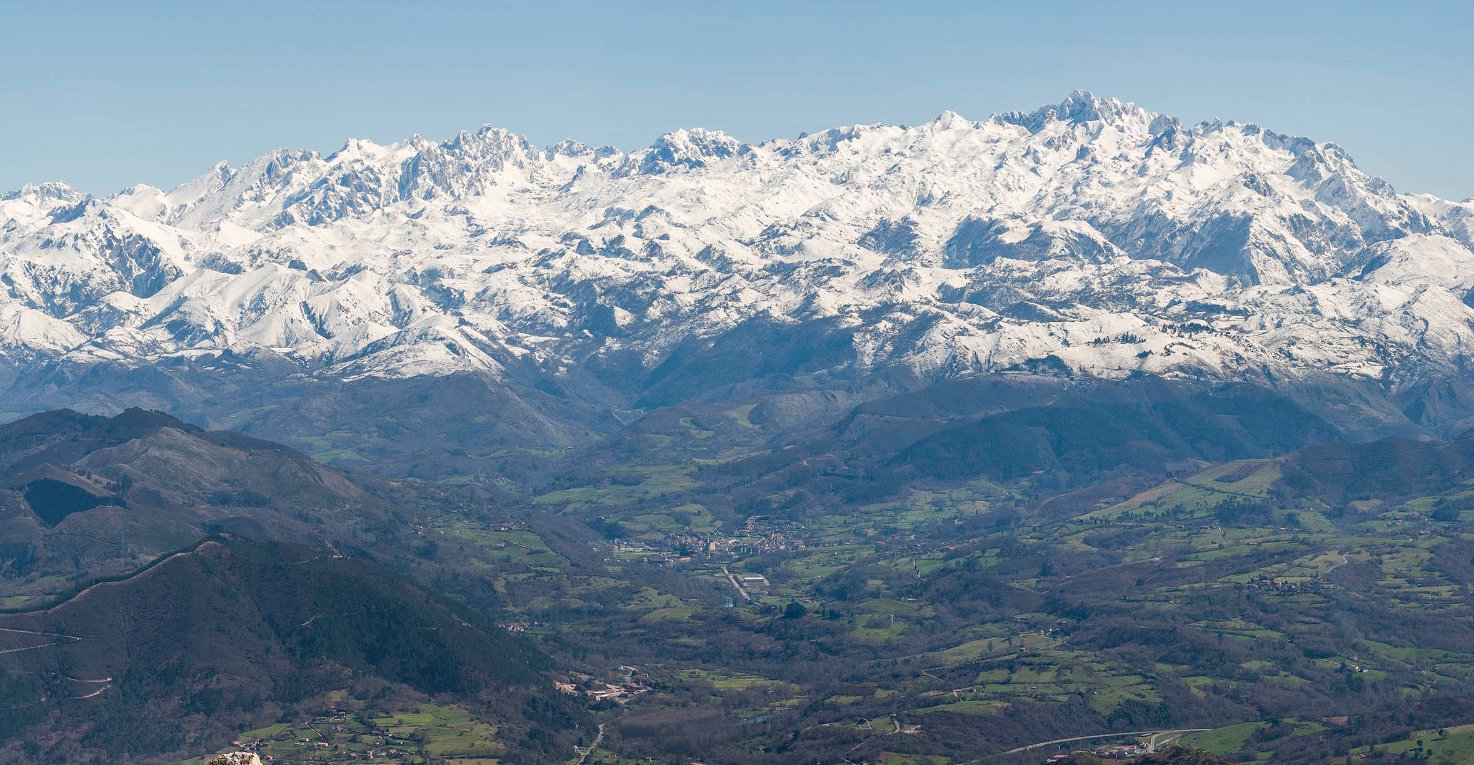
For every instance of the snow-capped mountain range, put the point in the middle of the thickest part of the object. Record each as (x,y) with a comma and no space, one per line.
(1092,237)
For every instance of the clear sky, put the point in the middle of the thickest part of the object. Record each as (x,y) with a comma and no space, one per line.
(106,94)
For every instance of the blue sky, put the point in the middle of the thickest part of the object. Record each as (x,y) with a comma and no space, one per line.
(106,94)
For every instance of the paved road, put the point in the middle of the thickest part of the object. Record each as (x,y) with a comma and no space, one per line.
(1163,739)
(598,737)
(740,589)
(1055,742)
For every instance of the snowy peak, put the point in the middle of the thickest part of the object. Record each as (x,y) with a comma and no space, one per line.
(1080,107)
(1091,232)
(1416,260)
(51,191)
(949,120)
(690,149)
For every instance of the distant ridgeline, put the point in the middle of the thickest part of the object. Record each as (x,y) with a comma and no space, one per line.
(960,442)
(409,304)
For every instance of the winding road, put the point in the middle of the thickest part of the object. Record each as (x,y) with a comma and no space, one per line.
(584,755)
(105,682)
(68,638)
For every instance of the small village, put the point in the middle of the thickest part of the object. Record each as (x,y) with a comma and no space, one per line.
(588,686)
(756,537)
(340,736)
(376,742)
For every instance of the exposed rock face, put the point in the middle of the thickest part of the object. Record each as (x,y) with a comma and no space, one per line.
(236,758)
(1092,233)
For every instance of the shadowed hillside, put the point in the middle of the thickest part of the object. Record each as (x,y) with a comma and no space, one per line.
(85,496)
(233,634)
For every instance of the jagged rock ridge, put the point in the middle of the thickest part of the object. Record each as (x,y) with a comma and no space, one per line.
(1091,237)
